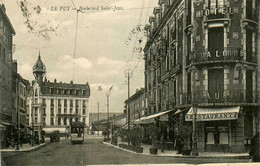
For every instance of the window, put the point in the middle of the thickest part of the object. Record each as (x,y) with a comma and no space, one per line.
(44,121)
(249,45)
(70,121)
(84,120)
(77,110)
(52,111)
(59,110)
(59,104)
(249,86)
(44,111)
(216,3)
(52,102)
(35,120)
(84,111)
(216,85)
(65,103)
(71,103)
(216,42)
(65,110)
(70,110)
(59,121)
(52,121)
(65,121)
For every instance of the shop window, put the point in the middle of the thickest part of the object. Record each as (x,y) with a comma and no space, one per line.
(249,8)
(216,133)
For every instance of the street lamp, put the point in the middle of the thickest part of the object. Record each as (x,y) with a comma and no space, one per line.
(108,94)
(195,148)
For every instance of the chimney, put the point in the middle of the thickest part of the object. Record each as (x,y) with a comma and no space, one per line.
(3,8)
(14,66)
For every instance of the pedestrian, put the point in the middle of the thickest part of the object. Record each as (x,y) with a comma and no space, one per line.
(179,143)
(255,148)
(162,143)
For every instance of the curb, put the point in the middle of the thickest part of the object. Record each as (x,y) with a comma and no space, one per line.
(222,157)
(27,150)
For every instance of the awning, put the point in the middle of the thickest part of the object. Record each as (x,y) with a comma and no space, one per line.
(210,114)
(49,130)
(7,124)
(150,118)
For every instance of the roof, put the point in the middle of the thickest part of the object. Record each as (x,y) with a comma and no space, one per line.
(136,95)
(39,66)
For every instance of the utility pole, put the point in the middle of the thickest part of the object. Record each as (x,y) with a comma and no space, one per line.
(128,74)
(194,123)
(98,118)
(108,93)
(17,112)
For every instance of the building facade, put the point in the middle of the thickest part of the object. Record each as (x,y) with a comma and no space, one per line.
(136,105)
(53,105)
(6,60)
(7,126)
(20,88)
(202,60)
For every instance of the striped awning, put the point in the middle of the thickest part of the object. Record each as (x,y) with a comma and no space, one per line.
(211,114)
(150,118)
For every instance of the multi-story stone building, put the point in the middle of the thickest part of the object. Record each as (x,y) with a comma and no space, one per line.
(136,105)
(55,105)
(6,59)
(20,88)
(203,55)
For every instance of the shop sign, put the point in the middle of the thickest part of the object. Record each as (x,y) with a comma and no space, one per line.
(216,116)
(216,11)
(219,53)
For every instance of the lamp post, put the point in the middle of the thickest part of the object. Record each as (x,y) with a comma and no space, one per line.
(17,113)
(194,131)
(108,94)
(128,74)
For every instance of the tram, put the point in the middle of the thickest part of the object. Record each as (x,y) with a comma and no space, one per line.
(77,132)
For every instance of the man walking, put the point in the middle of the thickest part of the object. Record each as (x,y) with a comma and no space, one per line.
(179,143)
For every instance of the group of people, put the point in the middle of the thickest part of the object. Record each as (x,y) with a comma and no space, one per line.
(178,143)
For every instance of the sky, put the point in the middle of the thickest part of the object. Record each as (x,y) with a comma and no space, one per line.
(108,42)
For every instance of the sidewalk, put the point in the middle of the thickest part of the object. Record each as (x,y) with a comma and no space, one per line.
(24,148)
(172,153)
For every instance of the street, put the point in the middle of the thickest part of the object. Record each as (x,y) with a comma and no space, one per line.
(94,152)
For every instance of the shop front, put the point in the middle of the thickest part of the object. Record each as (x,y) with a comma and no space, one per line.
(218,129)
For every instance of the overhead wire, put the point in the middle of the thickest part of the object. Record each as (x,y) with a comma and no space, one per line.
(139,22)
(145,21)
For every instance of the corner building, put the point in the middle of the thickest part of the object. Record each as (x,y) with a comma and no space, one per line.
(203,55)
(55,105)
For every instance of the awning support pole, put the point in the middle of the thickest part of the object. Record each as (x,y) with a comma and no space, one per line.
(195,148)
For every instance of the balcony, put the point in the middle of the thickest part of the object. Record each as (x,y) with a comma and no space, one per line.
(68,115)
(230,97)
(217,56)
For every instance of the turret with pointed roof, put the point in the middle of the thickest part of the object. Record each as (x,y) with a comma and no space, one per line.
(39,70)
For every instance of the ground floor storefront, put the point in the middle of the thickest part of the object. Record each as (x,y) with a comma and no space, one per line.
(218,129)
(225,129)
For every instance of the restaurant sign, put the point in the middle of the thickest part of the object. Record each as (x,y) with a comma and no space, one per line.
(210,117)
